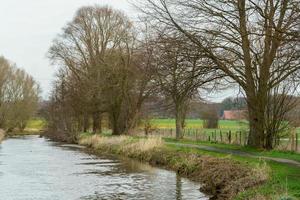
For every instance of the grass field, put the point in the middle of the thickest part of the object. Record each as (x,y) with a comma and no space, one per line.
(36,124)
(198,124)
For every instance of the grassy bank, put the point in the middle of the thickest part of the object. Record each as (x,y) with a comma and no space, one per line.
(222,177)
(34,126)
(283,182)
(274,153)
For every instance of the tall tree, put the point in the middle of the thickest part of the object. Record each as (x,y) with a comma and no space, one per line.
(180,72)
(101,58)
(254,42)
(86,43)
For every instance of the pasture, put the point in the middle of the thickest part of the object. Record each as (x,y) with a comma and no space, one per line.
(225,125)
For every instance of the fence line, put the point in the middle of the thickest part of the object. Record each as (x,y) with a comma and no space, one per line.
(239,137)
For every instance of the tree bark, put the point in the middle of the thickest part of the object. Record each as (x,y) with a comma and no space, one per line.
(256,124)
(180,118)
(97,122)
(115,128)
(85,123)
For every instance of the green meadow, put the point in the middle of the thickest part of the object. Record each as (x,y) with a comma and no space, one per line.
(198,124)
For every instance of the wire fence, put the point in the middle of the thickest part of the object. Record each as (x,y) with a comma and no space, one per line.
(228,137)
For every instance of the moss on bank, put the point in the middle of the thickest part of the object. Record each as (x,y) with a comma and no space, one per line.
(222,178)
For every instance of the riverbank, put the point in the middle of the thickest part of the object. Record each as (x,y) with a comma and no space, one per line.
(222,178)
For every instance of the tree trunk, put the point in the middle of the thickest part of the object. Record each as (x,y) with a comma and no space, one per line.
(97,122)
(114,118)
(256,125)
(85,123)
(115,128)
(179,115)
(269,141)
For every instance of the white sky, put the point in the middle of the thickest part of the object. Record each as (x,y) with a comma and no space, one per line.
(29,26)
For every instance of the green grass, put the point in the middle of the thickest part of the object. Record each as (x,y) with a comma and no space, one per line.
(198,124)
(274,153)
(284,178)
(284,182)
(226,125)
(36,124)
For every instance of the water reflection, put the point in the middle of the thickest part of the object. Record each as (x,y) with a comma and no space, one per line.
(178,187)
(36,169)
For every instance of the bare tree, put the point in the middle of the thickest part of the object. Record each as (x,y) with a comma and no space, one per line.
(19,96)
(101,58)
(84,47)
(254,42)
(180,72)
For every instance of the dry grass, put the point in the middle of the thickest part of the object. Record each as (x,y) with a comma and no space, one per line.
(262,171)
(2,135)
(122,144)
(143,145)
(97,141)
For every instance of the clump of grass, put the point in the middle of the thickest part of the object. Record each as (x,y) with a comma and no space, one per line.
(262,171)
(143,145)
(97,141)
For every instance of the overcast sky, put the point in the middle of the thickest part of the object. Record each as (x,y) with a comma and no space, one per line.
(29,26)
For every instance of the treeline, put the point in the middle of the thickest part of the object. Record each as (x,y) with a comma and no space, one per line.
(111,66)
(105,71)
(19,96)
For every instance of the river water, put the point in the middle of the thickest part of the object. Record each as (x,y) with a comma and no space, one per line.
(33,168)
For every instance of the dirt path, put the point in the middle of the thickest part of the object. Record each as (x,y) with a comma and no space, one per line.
(237,152)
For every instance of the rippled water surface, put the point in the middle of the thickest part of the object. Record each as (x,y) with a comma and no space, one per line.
(33,168)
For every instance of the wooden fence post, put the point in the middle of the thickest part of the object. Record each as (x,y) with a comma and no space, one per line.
(246,138)
(221,137)
(229,137)
(241,138)
(216,139)
(296,142)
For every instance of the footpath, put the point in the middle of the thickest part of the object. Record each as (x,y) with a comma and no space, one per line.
(236,152)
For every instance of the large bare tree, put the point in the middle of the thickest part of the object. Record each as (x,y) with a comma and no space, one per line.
(254,42)
(86,43)
(101,60)
(180,73)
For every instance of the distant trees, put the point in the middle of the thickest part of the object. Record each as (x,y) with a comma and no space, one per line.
(231,103)
(19,96)
(255,43)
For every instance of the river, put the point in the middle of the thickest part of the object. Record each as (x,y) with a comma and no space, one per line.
(33,168)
